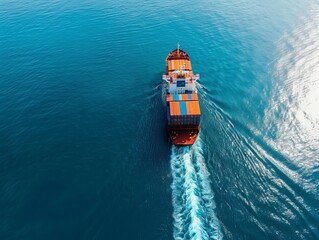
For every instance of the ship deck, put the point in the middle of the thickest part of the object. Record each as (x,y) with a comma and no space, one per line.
(183,137)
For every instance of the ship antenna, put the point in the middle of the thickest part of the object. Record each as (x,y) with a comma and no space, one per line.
(178,48)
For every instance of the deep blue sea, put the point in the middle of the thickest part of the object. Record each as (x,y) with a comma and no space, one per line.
(84,152)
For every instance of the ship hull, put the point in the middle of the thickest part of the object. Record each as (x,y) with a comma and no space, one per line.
(183,137)
(183,111)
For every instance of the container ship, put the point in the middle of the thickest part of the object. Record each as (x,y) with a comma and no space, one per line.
(183,111)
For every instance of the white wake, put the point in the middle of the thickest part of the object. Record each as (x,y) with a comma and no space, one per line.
(192,196)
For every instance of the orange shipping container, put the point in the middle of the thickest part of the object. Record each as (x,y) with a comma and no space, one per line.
(193,108)
(184,96)
(194,96)
(179,63)
(174,108)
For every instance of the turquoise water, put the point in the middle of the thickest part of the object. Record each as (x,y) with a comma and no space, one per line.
(84,152)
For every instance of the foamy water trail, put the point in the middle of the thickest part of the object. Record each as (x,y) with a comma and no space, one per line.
(196,229)
(192,196)
(206,191)
(178,170)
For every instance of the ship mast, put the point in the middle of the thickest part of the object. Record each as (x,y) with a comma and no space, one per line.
(178,48)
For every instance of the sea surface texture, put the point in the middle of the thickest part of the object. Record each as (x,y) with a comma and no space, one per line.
(84,152)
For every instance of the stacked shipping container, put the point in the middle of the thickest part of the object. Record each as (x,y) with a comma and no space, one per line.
(178,64)
(183,114)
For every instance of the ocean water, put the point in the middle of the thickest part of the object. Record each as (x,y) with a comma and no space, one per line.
(84,152)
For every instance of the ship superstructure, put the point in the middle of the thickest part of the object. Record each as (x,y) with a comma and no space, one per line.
(183,111)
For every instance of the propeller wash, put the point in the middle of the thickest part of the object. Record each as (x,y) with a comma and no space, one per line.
(192,196)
